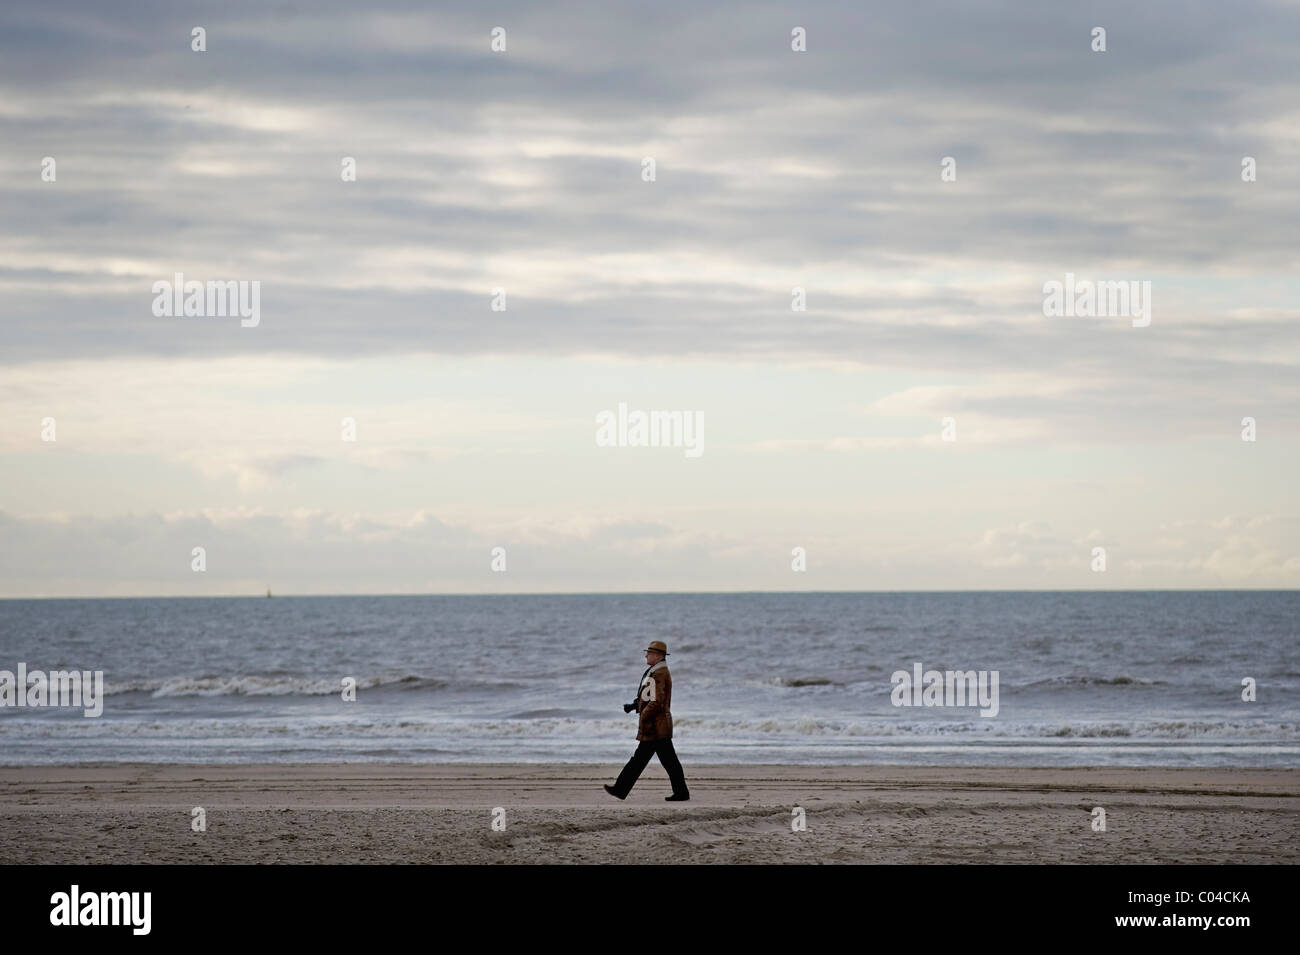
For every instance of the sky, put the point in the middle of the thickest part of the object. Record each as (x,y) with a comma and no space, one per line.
(504,268)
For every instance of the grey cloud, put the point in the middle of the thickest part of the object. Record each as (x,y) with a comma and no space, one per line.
(1123,163)
(246,552)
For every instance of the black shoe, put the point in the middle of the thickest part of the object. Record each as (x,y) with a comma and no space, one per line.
(676,798)
(610,789)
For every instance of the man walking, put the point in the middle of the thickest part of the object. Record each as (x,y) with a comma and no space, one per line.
(654,729)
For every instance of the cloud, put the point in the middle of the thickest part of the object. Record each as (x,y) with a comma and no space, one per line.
(1209,553)
(311,551)
(522,170)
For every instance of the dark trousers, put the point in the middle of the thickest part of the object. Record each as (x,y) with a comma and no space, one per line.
(663,748)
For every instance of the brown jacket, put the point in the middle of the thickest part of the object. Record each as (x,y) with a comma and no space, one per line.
(653,706)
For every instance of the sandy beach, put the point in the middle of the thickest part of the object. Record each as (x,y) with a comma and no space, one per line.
(404,813)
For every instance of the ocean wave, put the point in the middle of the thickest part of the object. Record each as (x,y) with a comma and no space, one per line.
(998,729)
(280,684)
(1123,679)
(881,731)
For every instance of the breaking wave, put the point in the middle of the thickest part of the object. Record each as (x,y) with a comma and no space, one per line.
(275,685)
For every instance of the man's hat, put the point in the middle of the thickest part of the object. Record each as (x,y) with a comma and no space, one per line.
(658,646)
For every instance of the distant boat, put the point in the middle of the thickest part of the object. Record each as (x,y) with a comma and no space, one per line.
(268,591)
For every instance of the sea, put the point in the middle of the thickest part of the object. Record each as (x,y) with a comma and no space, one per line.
(1085,678)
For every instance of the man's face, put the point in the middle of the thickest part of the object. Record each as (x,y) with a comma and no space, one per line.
(652,657)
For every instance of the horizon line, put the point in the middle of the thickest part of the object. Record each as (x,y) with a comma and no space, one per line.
(660,593)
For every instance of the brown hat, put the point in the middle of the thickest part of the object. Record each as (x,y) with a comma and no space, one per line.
(658,646)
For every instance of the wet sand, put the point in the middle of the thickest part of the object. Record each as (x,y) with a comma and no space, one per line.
(403,813)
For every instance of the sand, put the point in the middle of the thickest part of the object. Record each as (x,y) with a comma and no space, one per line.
(403,813)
